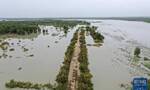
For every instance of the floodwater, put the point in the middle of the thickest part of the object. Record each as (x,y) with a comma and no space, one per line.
(110,64)
(38,58)
(40,63)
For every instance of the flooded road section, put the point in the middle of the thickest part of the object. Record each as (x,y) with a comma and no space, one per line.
(111,64)
(35,58)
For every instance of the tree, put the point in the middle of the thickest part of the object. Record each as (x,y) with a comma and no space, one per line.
(137,51)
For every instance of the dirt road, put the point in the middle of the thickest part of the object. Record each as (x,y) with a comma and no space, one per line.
(74,71)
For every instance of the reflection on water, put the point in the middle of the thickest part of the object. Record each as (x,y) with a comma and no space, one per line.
(35,58)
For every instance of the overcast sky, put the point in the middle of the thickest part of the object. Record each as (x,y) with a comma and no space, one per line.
(74,8)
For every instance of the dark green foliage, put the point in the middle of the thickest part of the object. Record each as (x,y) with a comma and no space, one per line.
(65,28)
(21,28)
(143,19)
(146,59)
(62,77)
(137,51)
(61,23)
(95,35)
(85,82)
(27,85)
(28,27)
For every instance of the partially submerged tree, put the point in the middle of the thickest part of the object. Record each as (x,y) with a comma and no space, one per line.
(137,51)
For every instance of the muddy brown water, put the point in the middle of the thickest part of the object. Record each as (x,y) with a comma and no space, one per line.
(109,64)
(40,63)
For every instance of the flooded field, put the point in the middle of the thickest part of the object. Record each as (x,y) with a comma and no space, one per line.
(112,64)
(37,58)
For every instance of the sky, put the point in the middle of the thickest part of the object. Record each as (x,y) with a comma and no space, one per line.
(73,8)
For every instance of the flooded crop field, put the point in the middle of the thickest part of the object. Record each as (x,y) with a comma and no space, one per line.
(40,57)
(112,64)
(35,58)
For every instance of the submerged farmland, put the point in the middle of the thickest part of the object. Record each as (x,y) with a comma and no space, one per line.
(72,54)
(19,47)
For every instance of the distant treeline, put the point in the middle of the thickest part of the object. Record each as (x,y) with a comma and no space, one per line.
(144,19)
(27,27)
(21,28)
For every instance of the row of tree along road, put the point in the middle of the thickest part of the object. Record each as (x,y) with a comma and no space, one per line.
(83,76)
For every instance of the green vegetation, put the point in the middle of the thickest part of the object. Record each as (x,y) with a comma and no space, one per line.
(16,27)
(65,25)
(25,49)
(65,28)
(12,49)
(85,82)
(136,57)
(147,65)
(84,79)
(30,55)
(28,27)
(146,59)
(62,77)
(4,45)
(137,51)
(61,23)
(95,35)
(143,19)
(27,85)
